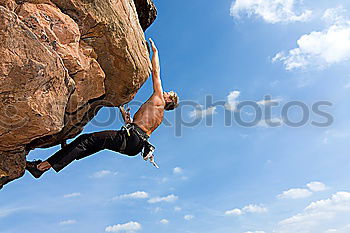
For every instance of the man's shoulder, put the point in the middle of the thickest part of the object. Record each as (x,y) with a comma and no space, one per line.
(156,99)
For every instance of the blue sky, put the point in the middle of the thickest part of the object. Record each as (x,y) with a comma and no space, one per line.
(218,179)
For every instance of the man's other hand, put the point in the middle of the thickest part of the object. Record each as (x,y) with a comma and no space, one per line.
(125,114)
(154,48)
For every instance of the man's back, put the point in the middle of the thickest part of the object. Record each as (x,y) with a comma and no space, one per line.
(151,113)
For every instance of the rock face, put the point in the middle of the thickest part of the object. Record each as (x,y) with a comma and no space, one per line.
(60,62)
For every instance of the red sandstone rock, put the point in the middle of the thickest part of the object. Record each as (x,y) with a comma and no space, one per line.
(59,32)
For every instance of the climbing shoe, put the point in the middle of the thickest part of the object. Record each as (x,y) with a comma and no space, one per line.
(32,167)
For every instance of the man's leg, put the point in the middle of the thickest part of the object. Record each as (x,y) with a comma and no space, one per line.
(83,146)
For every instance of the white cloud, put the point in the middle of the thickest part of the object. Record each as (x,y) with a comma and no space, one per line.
(317,186)
(335,15)
(103,173)
(188,217)
(254,209)
(271,11)
(164,221)
(68,222)
(296,193)
(135,195)
(247,209)
(199,112)
(169,198)
(338,202)
(231,103)
(72,195)
(299,193)
(319,215)
(344,229)
(177,170)
(306,218)
(177,208)
(236,212)
(127,227)
(320,49)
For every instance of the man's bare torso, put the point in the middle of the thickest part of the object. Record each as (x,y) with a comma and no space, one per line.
(150,115)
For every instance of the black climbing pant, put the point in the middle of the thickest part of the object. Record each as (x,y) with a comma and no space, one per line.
(88,144)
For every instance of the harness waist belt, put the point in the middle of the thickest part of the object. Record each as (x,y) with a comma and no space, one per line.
(140,132)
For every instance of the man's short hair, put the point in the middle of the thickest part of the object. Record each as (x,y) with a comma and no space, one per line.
(174,101)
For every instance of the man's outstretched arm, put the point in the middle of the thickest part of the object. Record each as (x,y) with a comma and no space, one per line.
(157,82)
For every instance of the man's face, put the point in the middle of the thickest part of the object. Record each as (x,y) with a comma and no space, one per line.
(166,96)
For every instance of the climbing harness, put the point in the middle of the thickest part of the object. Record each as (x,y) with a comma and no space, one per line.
(148,148)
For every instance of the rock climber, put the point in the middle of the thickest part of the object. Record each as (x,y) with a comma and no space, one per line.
(130,140)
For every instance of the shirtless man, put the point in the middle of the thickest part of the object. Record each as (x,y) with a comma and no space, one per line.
(130,140)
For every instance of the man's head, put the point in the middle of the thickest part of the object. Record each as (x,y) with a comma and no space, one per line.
(171,100)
